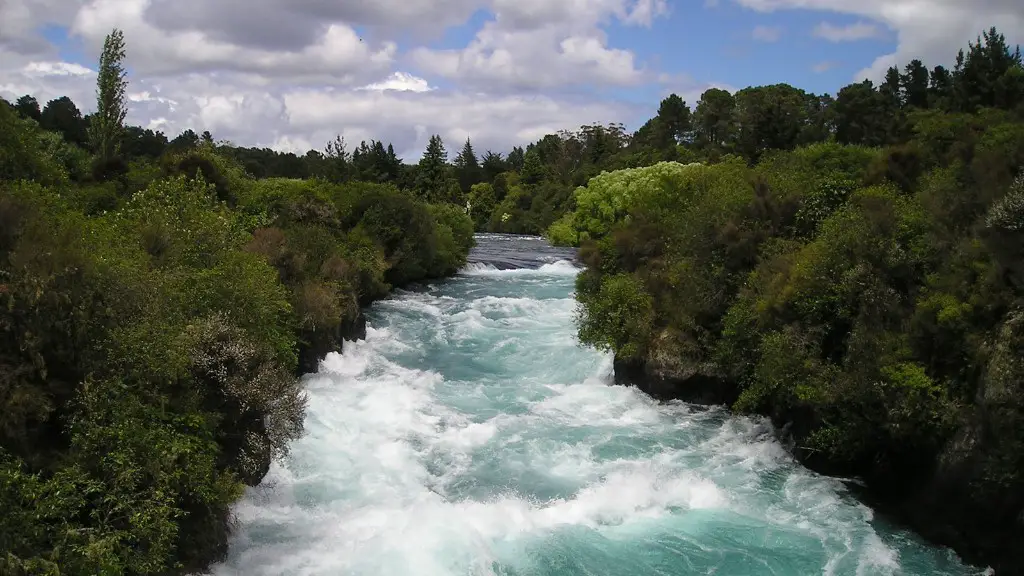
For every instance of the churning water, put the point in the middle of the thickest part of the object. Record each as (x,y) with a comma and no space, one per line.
(470,434)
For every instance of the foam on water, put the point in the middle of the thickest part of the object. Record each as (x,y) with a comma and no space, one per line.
(470,434)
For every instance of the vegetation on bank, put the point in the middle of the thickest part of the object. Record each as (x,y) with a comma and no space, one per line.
(154,314)
(864,287)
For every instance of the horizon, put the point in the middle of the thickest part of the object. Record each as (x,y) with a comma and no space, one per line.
(500,72)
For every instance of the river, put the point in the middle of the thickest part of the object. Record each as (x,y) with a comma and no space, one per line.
(470,434)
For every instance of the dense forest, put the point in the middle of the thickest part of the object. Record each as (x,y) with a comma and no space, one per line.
(848,265)
(157,304)
(852,268)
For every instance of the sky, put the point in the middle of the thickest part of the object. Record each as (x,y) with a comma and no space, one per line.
(291,74)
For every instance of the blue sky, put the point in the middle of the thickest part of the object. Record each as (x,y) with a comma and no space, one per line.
(716,44)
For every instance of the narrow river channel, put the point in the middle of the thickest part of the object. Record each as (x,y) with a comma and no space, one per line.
(470,434)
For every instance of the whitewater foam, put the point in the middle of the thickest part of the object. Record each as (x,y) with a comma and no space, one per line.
(470,434)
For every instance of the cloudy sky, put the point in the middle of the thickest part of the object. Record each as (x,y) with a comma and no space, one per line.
(289,74)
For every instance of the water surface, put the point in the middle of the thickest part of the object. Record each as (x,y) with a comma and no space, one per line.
(471,435)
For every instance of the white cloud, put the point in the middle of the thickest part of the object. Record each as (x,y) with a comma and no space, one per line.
(929,30)
(766,33)
(534,44)
(849,33)
(402,82)
(821,67)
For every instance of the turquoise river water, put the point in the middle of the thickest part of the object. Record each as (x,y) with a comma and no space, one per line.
(470,434)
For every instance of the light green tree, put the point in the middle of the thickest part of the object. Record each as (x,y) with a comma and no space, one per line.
(107,124)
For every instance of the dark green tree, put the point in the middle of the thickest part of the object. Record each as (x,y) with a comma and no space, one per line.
(979,73)
(861,115)
(674,122)
(61,115)
(492,165)
(940,88)
(714,122)
(914,83)
(769,118)
(533,171)
(28,107)
(433,182)
(516,158)
(467,167)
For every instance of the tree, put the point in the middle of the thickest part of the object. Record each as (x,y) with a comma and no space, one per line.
(433,182)
(467,167)
(61,115)
(890,88)
(185,140)
(492,165)
(914,82)
(713,120)
(107,126)
(336,160)
(979,73)
(516,158)
(533,169)
(769,117)
(940,89)
(28,107)
(674,121)
(206,137)
(861,115)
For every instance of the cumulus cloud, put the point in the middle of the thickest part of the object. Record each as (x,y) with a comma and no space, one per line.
(534,44)
(930,31)
(336,53)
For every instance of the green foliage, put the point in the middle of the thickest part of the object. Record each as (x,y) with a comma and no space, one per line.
(151,328)
(865,292)
(107,125)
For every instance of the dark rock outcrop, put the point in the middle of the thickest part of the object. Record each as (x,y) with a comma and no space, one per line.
(315,345)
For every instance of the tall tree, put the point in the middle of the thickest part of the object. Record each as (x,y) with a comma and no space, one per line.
(940,88)
(769,118)
(890,88)
(467,167)
(979,73)
(336,160)
(714,121)
(107,126)
(533,168)
(432,179)
(862,115)
(674,121)
(914,82)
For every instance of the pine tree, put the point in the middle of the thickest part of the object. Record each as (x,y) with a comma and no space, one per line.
(914,82)
(107,124)
(432,182)
(467,167)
